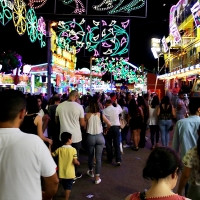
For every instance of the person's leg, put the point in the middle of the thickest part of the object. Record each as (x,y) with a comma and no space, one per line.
(157,134)
(152,133)
(162,130)
(90,147)
(67,194)
(168,123)
(124,133)
(100,142)
(77,146)
(116,144)
(109,151)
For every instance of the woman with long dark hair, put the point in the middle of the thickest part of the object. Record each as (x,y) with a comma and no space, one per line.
(162,169)
(191,172)
(95,139)
(153,121)
(136,121)
(32,121)
(165,114)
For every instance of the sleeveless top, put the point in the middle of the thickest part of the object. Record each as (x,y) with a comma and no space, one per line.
(165,114)
(94,125)
(136,196)
(28,125)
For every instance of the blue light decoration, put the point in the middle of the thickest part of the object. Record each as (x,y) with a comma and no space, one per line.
(41,31)
(32,25)
(95,37)
(6,8)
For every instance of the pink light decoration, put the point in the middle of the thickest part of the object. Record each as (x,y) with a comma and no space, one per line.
(125,24)
(79,10)
(72,25)
(104,23)
(88,28)
(96,53)
(74,37)
(123,41)
(33,2)
(65,34)
(78,50)
(105,44)
(42,26)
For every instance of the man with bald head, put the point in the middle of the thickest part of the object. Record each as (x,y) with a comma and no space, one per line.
(71,117)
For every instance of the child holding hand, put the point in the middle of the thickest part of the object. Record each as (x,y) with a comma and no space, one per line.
(67,158)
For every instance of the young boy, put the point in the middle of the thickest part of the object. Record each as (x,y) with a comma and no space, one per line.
(67,158)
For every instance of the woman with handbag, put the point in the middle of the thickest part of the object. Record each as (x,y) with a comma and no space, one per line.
(165,115)
(162,168)
(95,140)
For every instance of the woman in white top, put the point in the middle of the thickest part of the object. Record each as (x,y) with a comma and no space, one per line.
(95,139)
(153,120)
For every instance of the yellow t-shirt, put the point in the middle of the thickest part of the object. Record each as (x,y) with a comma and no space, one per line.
(66,154)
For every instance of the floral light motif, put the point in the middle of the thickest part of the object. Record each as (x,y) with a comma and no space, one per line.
(78,10)
(32,25)
(41,31)
(19,16)
(6,8)
(35,4)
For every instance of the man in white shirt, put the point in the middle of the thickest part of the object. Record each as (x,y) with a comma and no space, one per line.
(24,158)
(113,135)
(71,117)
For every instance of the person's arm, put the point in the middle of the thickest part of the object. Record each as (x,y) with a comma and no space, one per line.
(158,112)
(173,111)
(76,162)
(38,123)
(86,120)
(142,114)
(106,121)
(51,187)
(45,120)
(119,107)
(57,116)
(184,179)
(82,117)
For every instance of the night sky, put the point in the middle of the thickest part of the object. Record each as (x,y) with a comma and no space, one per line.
(141,31)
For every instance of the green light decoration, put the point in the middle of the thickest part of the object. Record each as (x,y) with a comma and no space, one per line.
(133,5)
(6,8)
(32,25)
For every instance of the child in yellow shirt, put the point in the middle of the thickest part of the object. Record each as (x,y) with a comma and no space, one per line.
(67,158)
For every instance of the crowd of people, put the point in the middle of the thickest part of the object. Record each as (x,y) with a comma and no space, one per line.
(111,121)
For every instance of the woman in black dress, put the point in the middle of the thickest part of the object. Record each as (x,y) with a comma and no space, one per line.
(136,117)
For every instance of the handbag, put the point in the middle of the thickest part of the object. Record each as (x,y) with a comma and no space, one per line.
(122,122)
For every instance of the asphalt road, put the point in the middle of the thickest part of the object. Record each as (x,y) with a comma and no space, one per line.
(117,181)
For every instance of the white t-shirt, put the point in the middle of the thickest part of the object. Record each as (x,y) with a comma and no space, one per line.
(41,114)
(69,114)
(24,158)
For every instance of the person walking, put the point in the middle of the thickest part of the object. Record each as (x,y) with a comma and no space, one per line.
(70,114)
(24,158)
(153,121)
(113,134)
(136,120)
(165,114)
(95,140)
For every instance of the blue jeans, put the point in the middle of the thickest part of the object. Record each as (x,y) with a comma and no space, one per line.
(113,139)
(95,144)
(164,126)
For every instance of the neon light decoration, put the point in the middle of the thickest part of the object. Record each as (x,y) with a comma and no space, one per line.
(33,2)
(78,10)
(32,25)
(71,32)
(99,37)
(114,8)
(6,8)
(19,16)
(41,31)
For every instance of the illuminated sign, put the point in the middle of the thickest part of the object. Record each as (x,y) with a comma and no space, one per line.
(196,13)
(155,44)
(164,43)
(175,33)
(59,60)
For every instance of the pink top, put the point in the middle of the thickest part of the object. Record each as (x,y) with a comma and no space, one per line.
(136,196)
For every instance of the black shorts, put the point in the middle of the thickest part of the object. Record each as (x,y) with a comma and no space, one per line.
(67,184)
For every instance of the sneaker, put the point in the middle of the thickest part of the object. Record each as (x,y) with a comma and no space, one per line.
(90,173)
(73,181)
(78,175)
(126,146)
(97,181)
(118,164)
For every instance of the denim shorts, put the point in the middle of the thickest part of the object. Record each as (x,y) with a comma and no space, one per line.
(67,184)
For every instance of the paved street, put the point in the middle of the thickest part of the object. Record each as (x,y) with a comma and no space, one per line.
(117,182)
